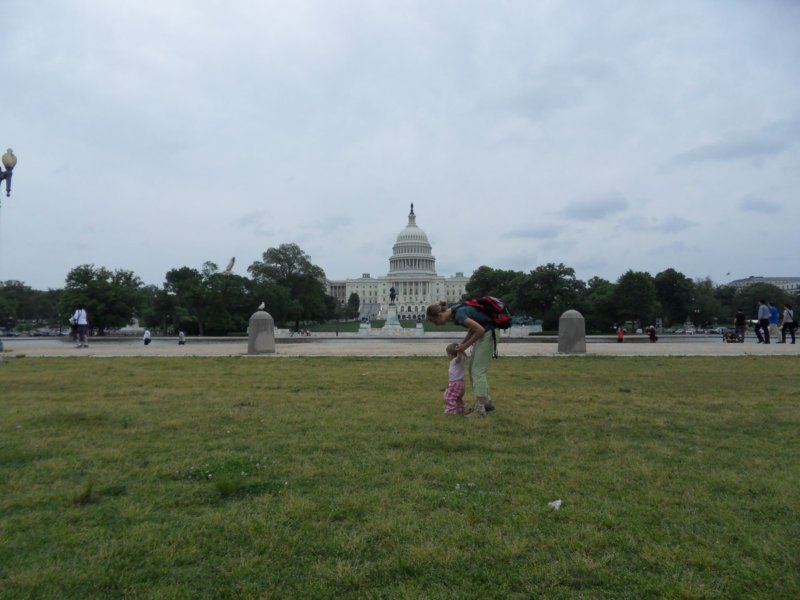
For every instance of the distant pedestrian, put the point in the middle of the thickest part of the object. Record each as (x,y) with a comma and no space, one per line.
(789,323)
(651,333)
(739,325)
(181,338)
(146,337)
(620,335)
(454,392)
(774,318)
(762,327)
(81,319)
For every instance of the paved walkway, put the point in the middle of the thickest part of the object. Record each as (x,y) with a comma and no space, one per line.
(359,346)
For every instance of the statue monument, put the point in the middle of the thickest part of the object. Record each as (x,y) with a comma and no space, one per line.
(392,322)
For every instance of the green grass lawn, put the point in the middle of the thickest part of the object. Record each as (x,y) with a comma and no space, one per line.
(264,477)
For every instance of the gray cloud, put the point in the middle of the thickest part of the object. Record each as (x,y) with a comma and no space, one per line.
(533,127)
(751,203)
(772,140)
(661,225)
(537,232)
(594,210)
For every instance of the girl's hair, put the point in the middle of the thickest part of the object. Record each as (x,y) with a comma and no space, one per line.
(434,310)
(451,349)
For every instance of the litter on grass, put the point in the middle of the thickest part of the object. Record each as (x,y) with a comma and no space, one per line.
(555,504)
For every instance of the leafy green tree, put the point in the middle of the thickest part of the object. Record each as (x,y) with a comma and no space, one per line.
(19,302)
(635,297)
(493,282)
(353,304)
(546,292)
(674,292)
(187,288)
(726,295)
(8,317)
(597,305)
(707,310)
(231,303)
(110,298)
(288,267)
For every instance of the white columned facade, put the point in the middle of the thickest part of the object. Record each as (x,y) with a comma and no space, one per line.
(412,273)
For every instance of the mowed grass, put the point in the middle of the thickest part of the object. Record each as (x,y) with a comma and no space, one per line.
(270,477)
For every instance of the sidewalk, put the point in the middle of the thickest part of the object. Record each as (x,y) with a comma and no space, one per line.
(353,346)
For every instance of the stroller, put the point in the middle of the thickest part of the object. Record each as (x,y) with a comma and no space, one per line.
(730,337)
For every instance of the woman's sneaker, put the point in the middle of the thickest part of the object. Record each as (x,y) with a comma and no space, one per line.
(479,410)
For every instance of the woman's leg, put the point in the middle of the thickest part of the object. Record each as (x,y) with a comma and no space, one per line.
(482,353)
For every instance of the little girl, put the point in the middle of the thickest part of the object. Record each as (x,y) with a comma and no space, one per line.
(454,392)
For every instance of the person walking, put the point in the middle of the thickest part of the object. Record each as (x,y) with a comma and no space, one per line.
(762,328)
(789,323)
(739,325)
(146,337)
(479,337)
(774,318)
(81,319)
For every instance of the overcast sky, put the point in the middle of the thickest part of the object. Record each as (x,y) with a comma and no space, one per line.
(605,135)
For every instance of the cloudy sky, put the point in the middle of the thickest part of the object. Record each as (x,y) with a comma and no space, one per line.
(605,135)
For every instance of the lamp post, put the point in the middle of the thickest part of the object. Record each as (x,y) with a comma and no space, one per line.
(9,162)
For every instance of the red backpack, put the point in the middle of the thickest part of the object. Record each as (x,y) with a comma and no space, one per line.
(494,308)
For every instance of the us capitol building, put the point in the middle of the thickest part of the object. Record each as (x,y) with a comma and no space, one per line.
(412,274)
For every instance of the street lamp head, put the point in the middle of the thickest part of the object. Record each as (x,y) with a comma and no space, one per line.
(9,160)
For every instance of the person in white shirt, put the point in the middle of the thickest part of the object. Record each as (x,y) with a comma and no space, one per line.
(788,323)
(146,337)
(81,319)
(762,329)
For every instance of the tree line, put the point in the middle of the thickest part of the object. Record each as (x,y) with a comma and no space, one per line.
(199,302)
(636,297)
(293,290)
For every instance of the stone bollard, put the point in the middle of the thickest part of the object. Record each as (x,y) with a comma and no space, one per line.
(261,333)
(572,333)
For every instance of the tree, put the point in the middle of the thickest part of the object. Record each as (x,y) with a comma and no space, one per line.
(110,298)
(546,292)
(186,286)
(493,282)
(288,267)
(597,305)
(353,305)
(675,292)
(229,303)
(18,302)
(635,297)
(707,309)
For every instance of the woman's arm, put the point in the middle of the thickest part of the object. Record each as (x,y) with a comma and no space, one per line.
(475,332)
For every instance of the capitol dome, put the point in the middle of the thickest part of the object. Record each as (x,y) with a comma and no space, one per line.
(411,253)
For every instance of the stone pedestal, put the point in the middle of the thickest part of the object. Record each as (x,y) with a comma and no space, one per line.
(572,333)
(364,328)
(392,322)
(419,329)
(261,333)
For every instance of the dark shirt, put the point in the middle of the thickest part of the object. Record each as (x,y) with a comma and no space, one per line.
(463,312)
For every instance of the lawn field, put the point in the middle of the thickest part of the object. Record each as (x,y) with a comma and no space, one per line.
(336,477)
